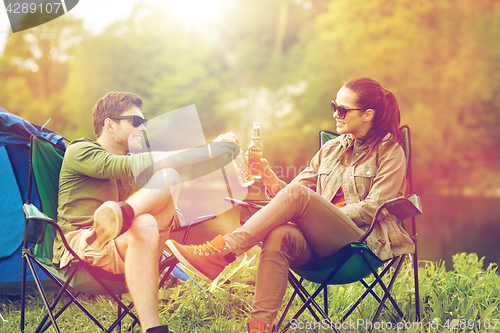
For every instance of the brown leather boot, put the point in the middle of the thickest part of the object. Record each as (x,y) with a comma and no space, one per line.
(207,260)
(259,326)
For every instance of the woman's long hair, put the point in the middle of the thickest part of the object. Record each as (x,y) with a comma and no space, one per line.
(371,95)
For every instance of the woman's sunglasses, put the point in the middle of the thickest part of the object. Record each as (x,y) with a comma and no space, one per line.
(136,120)
(342,110)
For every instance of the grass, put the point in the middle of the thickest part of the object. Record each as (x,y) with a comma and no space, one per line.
(463,300)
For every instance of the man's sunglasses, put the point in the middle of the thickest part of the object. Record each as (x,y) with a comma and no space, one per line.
(136,120)
(342,110)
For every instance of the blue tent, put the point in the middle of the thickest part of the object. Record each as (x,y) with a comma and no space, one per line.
(15,135)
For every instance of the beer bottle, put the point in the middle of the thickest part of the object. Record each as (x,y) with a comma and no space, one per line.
(243,170)
(254,152)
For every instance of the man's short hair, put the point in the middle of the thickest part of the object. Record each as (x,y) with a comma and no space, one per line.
(113,104)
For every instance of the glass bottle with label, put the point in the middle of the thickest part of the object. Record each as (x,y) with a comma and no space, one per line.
(254,152)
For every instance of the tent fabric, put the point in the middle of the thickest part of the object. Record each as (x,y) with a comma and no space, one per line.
(16,130)
(12,217)
(15,134)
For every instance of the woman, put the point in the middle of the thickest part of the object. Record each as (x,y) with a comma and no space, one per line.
(327,206)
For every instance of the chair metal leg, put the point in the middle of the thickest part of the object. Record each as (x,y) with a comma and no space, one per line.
(73,299)
(310,299)
(415,270)
(23,293)
(124,313)
(307,302)
(417,291)
(119,327)
(304,296)
(62,289)
(127,309)
(42,293)
(172,261)
(369,290)
(325,299)
(387,293)
(59,313)
(297,287)
(43,326)
(287,308)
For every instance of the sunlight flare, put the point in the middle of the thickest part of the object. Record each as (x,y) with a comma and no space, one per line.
(195,10)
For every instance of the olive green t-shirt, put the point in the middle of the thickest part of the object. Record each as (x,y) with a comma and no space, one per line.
(89,177)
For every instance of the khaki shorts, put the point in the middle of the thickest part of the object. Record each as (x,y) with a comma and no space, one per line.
(108,258)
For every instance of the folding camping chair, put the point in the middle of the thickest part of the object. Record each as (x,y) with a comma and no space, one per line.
(40,231)
(355,261)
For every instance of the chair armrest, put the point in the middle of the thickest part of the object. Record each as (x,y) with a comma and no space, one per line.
(258,204)
(187,228)
(32,213)
(401,207)
(404,208)
(196,221)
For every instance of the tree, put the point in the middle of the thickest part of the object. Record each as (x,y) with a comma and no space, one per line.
(151,56)
(34,70)
(437,57)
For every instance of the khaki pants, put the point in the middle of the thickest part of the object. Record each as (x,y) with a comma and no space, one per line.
(108,258)
(297,227)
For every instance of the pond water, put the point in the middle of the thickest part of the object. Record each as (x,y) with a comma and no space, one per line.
(450,225)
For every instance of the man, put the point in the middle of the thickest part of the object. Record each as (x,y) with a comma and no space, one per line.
(108,219)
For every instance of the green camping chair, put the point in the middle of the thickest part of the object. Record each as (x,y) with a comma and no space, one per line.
(40,231)
(355,261)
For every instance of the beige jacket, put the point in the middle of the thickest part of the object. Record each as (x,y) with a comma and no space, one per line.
(366,186)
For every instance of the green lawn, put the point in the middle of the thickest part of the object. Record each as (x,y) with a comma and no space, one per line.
(463,300)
